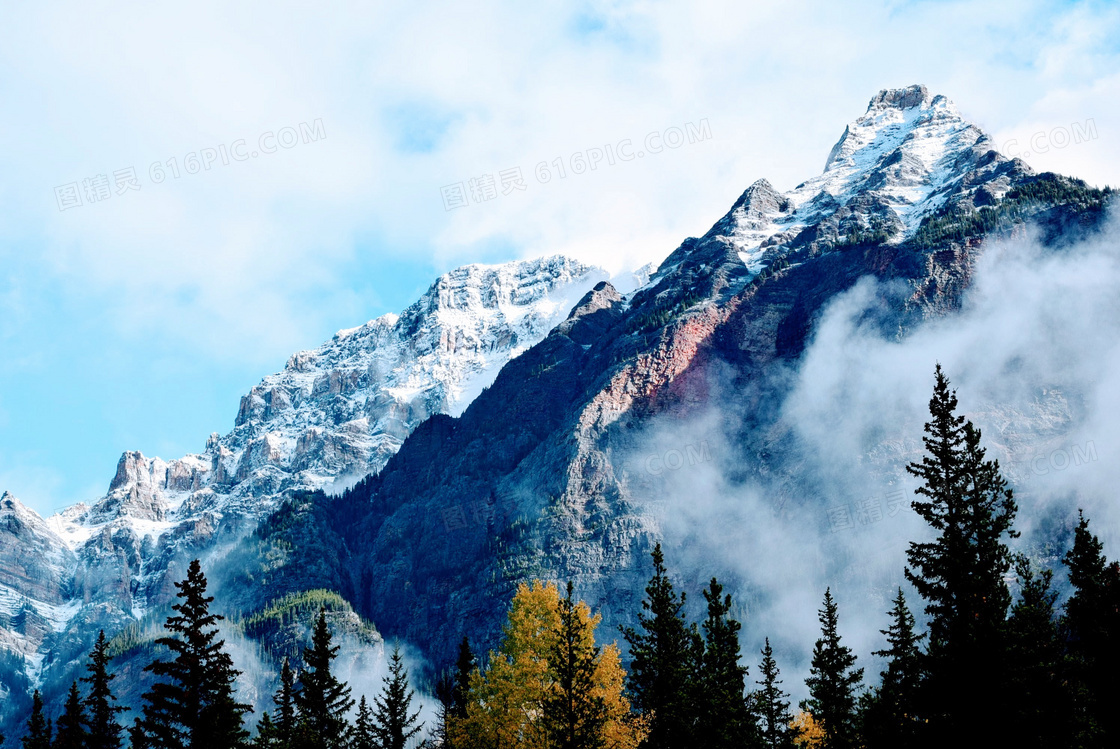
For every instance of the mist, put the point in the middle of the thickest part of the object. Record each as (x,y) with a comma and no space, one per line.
(1033,355)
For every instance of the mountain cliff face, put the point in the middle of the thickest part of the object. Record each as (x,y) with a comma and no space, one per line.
(542,475)
(501,423)
(334,414)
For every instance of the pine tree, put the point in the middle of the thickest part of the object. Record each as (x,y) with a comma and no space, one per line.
(1037,706)
(574,714)
(393,726)
(266,737)
(364,730)
(889,713)
(961,572)
(104,731)
(771,704)
(833,682)
(724,715)
(662,668)
(137,737)
(69,731)
(38,726)
(464,665)
(322,700)
(284,725)
(192,703)
(1091,626)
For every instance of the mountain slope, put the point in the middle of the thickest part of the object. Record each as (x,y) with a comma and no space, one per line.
(537,478)
(332,415)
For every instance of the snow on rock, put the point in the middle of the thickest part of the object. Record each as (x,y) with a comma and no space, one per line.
(332,415)
(902,160)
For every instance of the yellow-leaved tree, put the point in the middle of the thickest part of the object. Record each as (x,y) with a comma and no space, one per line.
(806,731)
(513,703)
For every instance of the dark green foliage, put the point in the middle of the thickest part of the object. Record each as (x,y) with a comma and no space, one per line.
(662,667)
(956,224)
(364,736)
(285,701)
(38,727)
(137,738)
(724,718)
(833,682)
(192,703)
(70,733)
(393,725)
(574,717)
(1092,629)
(961,572)
(322,700)
(1038,710)
(771,704)
(101,721)
(290,609)
(266,734)
(889,713)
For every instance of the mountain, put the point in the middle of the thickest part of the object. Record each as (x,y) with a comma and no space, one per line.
(510,425)
(547,473)
(334,414)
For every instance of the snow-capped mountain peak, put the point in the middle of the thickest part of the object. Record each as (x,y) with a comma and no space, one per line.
(902,160)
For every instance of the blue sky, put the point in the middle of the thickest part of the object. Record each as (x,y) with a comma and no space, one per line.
(137,321)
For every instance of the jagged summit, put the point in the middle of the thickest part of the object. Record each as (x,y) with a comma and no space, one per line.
(906,157)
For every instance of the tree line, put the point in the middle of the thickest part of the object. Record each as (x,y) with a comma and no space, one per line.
(985,667)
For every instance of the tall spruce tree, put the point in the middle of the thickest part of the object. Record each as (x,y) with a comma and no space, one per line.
(574,713)
(101,723)
(284,722)
(38,726)
(663,666)
(69,731)
(464,665)
(394,724)
(771,704)
(364,734)
(1038,708)
(1091,626)
(724,717)
(192,703)
(833,682)
(889,714)
(960,574)
(322,700)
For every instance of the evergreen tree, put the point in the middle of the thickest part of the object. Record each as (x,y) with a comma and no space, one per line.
(393,726)
(1091,626)
(284,725)
(192,704)
(266,737)
(961,572)
(889,713)
(574,714)
(1037,706)
(724,715)
(833,682)
(70,733)
(662,662)
(38,726)
(364,731)
(137,738)
(322,700)
(771,704)
(101,723)
(464,665)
